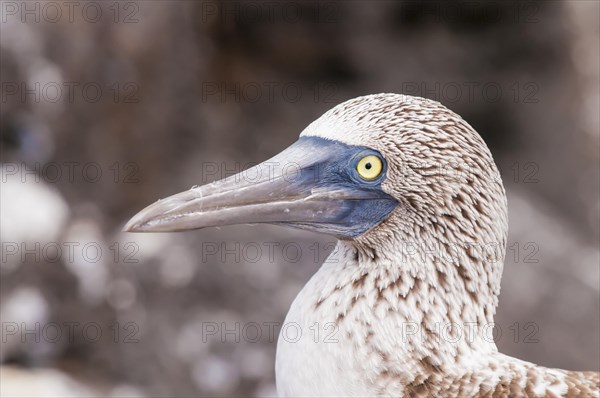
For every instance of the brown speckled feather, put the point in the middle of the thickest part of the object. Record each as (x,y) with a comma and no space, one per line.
(410,302)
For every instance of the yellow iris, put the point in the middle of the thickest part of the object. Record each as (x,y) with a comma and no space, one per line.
(369,167)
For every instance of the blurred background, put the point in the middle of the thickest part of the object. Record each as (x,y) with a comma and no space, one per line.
(108,106)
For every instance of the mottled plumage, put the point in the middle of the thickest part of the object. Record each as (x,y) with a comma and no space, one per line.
(435,262)
(405,304)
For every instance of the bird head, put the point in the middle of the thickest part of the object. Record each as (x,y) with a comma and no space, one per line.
(372,169)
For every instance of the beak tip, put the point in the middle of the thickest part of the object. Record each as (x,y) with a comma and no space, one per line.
(129,227)
(134,225)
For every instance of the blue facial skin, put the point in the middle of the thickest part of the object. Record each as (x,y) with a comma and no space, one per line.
(332,167)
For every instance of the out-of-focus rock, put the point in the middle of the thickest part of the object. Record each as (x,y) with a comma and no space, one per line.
(34,383)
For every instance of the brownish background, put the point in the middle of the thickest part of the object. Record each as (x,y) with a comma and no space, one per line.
(185,91)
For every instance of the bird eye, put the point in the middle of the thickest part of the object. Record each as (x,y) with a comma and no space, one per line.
(369,167)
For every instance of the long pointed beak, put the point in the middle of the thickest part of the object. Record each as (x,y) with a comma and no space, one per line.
(293,188)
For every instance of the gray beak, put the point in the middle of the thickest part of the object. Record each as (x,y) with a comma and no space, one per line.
(301,187)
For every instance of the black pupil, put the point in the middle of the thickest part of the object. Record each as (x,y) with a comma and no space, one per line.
(368,166)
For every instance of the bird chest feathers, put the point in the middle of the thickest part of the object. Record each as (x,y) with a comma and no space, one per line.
(364,327)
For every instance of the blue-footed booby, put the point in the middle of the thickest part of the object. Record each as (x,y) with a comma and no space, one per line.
(414,197)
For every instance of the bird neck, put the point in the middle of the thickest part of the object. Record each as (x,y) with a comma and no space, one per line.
(450,258)
(442,295)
